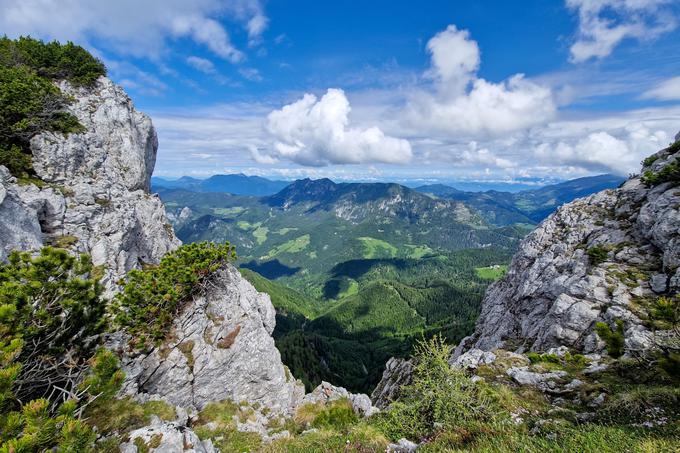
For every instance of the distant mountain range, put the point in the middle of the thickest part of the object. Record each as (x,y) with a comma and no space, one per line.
(527,206)
(237,184)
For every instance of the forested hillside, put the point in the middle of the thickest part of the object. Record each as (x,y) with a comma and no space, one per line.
(358,271)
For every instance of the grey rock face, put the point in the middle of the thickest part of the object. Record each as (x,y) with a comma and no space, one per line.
(325,393)
(220,348)
(554,293)
(169,438)
(119,143)
(403,446)
(472,359)
(19,226)
(97,193)
(547,382)
(397,373)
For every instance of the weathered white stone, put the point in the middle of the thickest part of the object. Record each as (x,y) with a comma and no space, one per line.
(325,393)
(472,359)
(169,438)
(553,295)
(19,225)
(220,349)
(98,190)
(402,446)
(397,373)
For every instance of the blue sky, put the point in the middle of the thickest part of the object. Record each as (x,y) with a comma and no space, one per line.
(431,90)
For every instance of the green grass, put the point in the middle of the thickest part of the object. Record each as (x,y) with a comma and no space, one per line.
(247,226)
(296,245)
(491,272)
(260,234)
(351,289)
(284,231)
(227,212)
(418,251)
(377,248)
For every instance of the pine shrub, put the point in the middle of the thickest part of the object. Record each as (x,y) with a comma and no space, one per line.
(153,297)
(30,103)
(613,338)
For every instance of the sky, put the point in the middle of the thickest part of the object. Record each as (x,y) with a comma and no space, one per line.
(520,92)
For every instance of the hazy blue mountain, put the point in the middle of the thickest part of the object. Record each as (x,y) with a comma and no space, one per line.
(185,182)
(527,206)
(238,184)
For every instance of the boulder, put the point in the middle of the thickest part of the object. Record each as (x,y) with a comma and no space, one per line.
(324,393)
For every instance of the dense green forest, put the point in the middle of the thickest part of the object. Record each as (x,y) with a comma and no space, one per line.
(396,302)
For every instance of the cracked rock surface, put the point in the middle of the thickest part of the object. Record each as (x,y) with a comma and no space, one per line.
(220,348)
(96,196)
(554,292)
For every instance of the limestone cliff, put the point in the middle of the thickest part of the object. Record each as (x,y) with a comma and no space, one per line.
(95,196)
(220,348)
(598,259)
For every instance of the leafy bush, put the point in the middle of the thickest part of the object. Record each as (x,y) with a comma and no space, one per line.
(598,254)
(665,314)
(674,147)
(613,338)
(152,298)
(30,103)
(650,160)
(339,415)
(49,311)
(438,398)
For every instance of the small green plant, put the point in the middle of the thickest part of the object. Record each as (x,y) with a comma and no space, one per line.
(65,241)
(613,338)
(438,398)
(535,357)
(669,173)
(650,160)
(152,297)
(598,254)
(339,415)
(673,147)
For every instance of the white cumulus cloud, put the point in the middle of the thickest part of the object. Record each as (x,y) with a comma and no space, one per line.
(461,102)
(316,132)
(131,27)
(617,152)
(604,24)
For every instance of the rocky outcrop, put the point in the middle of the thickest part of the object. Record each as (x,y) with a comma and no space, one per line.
(95,197)
(325,393)
(598,259)
(166,437)
(397,373)
(19,226)
(220,348)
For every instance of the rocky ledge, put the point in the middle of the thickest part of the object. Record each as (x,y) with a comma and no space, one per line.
(603,258)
